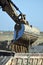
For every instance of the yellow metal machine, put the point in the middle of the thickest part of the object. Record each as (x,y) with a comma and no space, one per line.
(24,34)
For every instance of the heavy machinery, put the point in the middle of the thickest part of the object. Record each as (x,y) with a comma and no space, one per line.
(23,32)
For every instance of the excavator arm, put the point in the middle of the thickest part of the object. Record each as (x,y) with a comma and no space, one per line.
(10,8)
(24,34)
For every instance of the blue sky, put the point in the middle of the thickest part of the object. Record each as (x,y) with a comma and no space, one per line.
(33,10)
